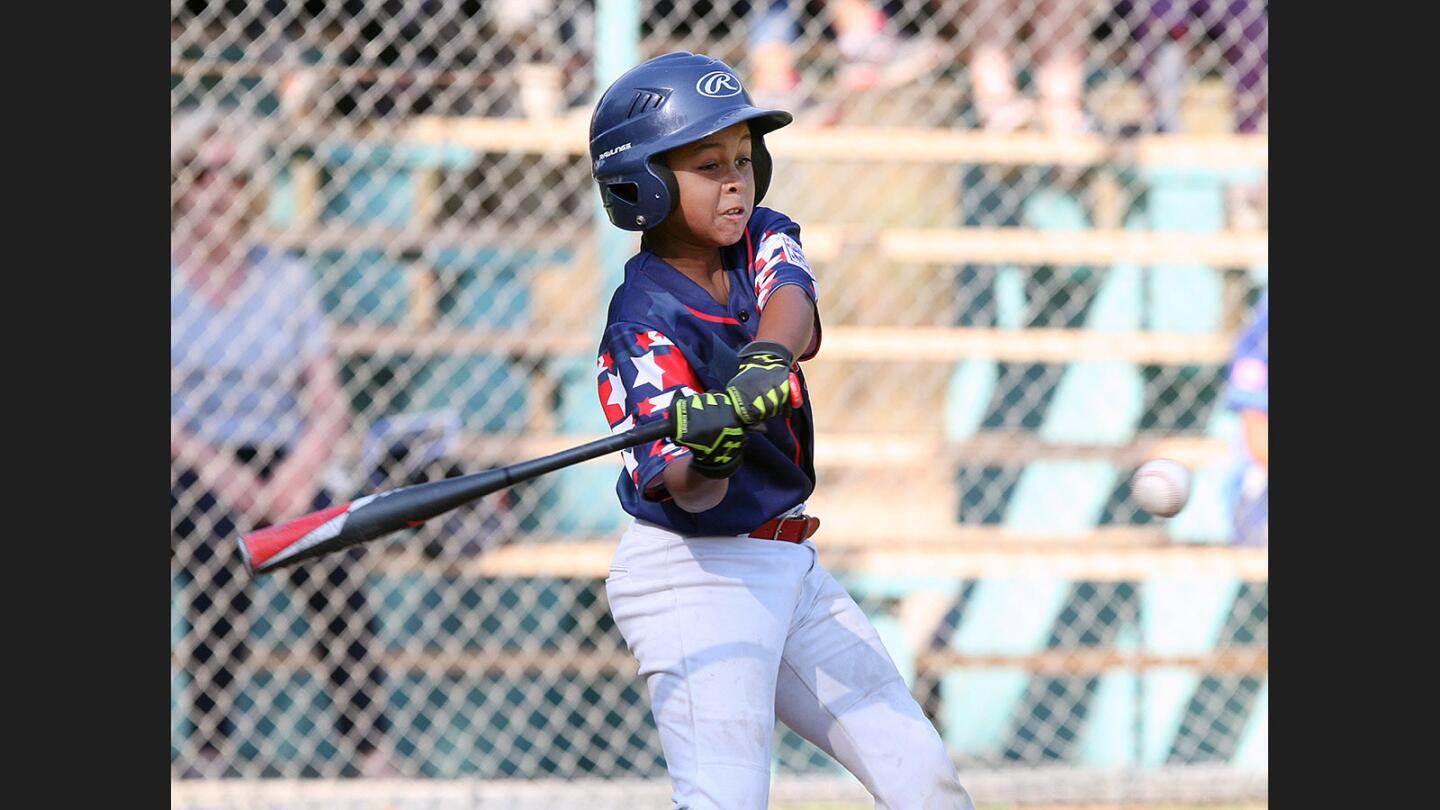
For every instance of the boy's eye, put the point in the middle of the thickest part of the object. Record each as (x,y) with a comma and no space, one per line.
(712,165)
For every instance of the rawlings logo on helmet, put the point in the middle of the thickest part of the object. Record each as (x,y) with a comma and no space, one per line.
(612,152)
(718,84)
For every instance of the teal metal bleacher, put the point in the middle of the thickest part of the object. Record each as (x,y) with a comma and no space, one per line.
(1121,717)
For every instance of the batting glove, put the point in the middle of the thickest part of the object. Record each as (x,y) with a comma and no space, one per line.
(761,388)
(706,424)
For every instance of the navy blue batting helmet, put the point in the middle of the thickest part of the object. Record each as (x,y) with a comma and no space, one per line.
(666,102)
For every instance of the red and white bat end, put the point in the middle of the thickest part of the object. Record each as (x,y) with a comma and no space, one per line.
(273,546)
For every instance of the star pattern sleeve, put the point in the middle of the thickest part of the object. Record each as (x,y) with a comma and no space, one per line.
(780,261)
(639,372)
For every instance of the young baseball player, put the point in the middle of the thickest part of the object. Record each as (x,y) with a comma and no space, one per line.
(715,585)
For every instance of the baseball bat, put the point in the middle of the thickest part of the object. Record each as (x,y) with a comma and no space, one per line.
(382,513)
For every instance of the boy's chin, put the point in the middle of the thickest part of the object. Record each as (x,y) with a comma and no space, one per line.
(726,236)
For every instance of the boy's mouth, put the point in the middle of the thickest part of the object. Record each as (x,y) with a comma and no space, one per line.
(733,213)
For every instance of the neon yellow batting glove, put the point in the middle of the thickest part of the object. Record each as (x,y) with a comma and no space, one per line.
(707,425)
(760,389)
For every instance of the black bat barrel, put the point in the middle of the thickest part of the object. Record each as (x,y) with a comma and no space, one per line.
(377,515)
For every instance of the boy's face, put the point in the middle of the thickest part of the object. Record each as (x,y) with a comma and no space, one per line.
(717,188)
(222,198)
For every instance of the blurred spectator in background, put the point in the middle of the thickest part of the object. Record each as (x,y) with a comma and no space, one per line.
(875,55)
(1249,395)
(396,54)
(255,408)
(547,44)
(1173,37)
(1057,42)
(1168,31)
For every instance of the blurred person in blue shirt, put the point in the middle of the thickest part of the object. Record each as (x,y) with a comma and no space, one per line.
(1248,394)
(255,410)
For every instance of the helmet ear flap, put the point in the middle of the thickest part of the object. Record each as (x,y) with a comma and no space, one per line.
(760,157)
(641,203)
(672,186)
(621,200)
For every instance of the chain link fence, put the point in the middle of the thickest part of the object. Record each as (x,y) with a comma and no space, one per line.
(1045,221)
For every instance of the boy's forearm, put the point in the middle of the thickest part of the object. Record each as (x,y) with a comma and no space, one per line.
(692,491)
(788,319)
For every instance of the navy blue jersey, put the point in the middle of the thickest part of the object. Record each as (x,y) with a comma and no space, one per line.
(1250,370)
(1249,389)
(666,334)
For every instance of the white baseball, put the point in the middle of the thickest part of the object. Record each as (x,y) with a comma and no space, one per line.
(1161,487)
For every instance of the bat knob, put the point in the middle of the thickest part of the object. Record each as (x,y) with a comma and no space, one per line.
(245,555)
(797,397)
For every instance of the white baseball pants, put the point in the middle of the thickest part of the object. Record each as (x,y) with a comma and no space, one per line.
(733,632)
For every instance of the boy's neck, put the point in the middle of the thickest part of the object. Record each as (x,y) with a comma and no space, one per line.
(700,264)
(697,267)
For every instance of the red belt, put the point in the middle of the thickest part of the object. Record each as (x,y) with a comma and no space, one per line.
(790,529)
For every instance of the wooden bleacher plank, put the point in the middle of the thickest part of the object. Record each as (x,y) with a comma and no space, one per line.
(914,145)
(1070,559)
(1253,660)
(1093,661)
(417,239)
(842,343)
(950,344)
(952,538)
(388,340)
(1102,247)
(1069,562)
(490,663)
(877,144)
(826,243)
(868,451)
